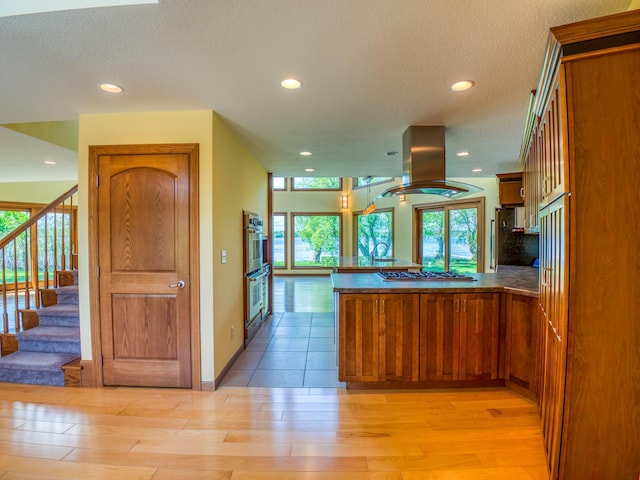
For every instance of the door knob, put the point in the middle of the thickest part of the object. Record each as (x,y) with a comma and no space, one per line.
(179,284)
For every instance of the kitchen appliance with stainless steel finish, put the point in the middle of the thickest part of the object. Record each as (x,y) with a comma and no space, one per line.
(253,238)
(424,166)
(392,276)
(256,273)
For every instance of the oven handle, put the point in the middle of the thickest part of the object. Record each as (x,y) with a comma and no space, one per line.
(257,277)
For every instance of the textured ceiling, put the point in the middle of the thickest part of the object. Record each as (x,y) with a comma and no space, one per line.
(370,68)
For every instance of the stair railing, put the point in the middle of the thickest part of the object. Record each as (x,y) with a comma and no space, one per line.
(31,255)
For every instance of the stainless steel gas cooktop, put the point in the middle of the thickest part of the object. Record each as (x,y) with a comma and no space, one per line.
(414,276)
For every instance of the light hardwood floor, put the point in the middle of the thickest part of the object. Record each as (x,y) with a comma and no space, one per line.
(267,433)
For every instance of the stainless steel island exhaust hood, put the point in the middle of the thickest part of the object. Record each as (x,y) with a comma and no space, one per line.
(423,166)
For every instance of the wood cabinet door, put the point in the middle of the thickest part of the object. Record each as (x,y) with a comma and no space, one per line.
(358,338)
(399,336)
(553,133)
(479,321)
(553,401)
(522,341)
(439,336)
(554,289)
(531,180)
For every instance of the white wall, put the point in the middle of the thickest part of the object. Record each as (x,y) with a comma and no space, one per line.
(34,192)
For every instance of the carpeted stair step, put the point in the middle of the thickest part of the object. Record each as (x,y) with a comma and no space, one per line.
(59,316)
(50,339)
(68,295)
(37,368)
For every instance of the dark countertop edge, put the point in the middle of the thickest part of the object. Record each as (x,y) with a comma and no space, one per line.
(487,283)
(520,291)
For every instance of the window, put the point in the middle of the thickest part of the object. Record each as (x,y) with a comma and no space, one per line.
(278,241)
(451,236)
(374,231)
(279,183)
(316,183)
(10,219)
(316,240)
(361,182)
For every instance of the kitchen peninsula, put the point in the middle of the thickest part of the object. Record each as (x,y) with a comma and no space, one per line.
(438,333)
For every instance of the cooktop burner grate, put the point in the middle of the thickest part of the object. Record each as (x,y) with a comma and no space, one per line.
(413,276)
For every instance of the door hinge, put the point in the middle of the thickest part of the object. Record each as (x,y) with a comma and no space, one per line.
(97,181)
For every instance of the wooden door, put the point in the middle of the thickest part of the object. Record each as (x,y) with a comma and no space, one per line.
(358,326)
(439,336)
(479,320)
(143,257)
(399,336)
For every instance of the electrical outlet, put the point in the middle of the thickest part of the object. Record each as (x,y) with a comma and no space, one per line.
(233,332)
(223,256)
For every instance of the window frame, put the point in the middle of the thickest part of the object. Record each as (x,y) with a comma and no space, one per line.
(355,231)
(296,189)
(355,185)
(284,237)
(292,234)
(476,202)
(286,183)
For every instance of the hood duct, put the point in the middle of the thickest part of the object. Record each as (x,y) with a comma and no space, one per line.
(423,166)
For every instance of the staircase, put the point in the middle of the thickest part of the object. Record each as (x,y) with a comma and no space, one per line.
(44,349)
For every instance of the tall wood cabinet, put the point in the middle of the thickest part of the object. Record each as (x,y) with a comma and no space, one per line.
(582,152)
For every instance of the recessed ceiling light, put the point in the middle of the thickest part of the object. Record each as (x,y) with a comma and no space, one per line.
(291,83)
(111,88)
(309,170)
(476,170)
(305,153)
(49,162)
(462,154)
(462,86)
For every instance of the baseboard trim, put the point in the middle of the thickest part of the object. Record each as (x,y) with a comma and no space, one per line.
(226,368)
(87,374)
(208,386)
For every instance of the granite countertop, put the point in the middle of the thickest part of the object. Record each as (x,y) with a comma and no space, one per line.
(512,279)
(364,263)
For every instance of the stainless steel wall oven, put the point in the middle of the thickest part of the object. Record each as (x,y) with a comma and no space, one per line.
(256,273)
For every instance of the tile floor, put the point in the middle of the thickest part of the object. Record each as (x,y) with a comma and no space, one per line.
(293,348)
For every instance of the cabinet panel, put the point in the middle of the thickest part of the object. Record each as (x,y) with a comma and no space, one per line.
(439,336)
(552,137)
(531,185)
(358,338)
(479,320)
(399,336)
(510,189)
(459,336)
(554,308)
(553,401)
(522,331)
